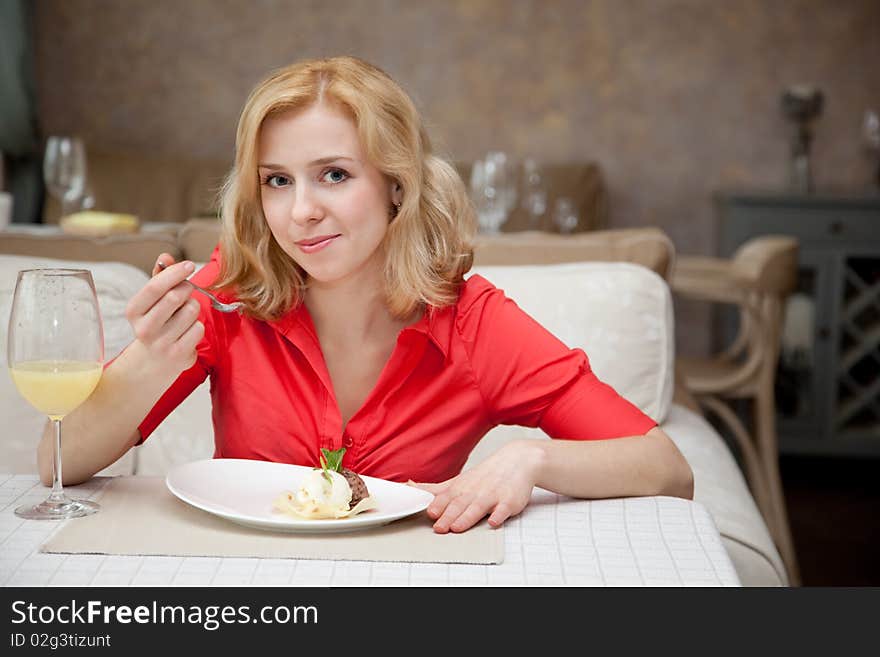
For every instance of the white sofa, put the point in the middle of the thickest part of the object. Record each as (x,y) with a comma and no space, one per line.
(619,313)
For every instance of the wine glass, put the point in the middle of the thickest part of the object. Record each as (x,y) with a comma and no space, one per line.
(64,170)
(534,193)
(493,186)
(565,216)
(504,180)
(55,356)
(485,195)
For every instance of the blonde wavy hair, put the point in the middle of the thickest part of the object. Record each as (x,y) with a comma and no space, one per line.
(428,246)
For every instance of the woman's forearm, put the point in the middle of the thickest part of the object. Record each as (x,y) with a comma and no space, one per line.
(619,467)
(104,427)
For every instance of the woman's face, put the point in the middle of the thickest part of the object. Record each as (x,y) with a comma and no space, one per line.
(326,204)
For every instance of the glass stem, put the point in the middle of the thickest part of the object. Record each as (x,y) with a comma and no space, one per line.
(57,488)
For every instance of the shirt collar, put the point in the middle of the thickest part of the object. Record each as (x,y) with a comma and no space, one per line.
(436,324)
(297,326)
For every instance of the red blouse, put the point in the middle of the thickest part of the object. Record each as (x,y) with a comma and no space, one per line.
(453,375)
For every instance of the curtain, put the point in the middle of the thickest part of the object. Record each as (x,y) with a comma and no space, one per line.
(19,142)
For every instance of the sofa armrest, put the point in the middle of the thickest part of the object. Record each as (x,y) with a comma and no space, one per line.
(648,247)
(137,249)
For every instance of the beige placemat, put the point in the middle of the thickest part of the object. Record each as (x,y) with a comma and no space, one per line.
(139,515)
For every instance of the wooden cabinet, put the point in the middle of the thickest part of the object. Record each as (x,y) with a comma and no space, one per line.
(828,378)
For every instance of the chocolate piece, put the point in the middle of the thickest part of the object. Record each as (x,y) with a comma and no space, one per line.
(358,487)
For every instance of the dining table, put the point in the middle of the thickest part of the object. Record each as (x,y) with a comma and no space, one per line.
(556,541)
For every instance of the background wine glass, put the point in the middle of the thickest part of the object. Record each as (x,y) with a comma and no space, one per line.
(485,197)
(534,193)
(55,356)
(64,171)
(493,188)
(565,216)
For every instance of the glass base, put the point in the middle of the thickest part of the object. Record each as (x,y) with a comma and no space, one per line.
(61,510)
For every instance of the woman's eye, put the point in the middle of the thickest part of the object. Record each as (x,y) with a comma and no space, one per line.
(334,176)
(276,181)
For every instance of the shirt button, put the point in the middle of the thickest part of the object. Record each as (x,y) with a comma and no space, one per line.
(346,440)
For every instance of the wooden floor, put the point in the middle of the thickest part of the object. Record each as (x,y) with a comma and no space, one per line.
(834,510)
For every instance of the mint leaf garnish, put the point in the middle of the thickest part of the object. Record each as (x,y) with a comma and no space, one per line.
(331,460)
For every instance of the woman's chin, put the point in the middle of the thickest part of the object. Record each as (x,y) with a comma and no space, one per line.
(338,271)
(326,277)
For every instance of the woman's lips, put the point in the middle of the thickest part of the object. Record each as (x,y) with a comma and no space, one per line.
(312,248)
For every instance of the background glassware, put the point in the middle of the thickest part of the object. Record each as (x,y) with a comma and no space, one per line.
(565,216)
(493,188)
(534,196)
(87,200)
(55,356)
(506,180)
(802,106)
(64,171)
(871,135)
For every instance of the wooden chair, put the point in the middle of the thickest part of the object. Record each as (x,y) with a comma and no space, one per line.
(757,280)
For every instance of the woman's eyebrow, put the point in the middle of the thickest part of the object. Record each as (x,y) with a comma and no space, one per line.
(332,158)
(323,160)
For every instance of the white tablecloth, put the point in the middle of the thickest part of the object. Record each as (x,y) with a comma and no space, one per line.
(647,541)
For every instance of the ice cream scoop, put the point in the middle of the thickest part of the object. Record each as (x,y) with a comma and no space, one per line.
(329,492)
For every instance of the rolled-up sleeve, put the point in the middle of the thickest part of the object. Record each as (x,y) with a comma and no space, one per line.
(528,377)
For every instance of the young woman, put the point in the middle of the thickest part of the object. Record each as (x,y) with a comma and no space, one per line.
(347,240)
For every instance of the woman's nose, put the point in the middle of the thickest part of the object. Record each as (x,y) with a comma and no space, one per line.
(306,207)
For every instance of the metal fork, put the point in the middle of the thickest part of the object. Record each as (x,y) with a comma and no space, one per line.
(215,302)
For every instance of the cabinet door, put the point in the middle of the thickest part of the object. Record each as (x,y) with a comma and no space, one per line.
(827,395)
(855,411)
(803,384)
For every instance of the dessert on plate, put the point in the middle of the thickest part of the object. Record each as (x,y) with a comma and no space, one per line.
(330,491)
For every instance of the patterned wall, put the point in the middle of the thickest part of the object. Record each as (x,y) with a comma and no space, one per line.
(673,98)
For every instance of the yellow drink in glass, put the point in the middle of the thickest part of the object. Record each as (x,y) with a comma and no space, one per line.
(56,387)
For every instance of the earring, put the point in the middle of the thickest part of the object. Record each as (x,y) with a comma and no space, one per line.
(395,208)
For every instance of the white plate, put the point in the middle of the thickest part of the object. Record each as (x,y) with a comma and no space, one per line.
(242,491)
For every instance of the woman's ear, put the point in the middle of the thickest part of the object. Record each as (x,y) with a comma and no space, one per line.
(396,193)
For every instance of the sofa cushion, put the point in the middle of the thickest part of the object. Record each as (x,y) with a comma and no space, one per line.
(138,249)
(620,314)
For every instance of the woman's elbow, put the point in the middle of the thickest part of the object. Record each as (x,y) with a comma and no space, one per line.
(679,481)
(685,481)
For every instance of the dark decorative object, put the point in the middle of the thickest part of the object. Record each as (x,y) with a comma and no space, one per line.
(802,105)
(871,131)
